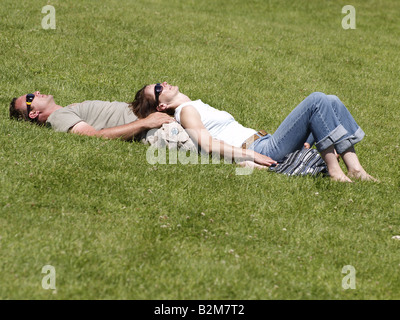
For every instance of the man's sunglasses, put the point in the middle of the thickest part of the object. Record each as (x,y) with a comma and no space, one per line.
(157,90)
(29,99)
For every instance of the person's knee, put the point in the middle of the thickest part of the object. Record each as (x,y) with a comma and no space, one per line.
(318,96)
(333,98)
(320,100)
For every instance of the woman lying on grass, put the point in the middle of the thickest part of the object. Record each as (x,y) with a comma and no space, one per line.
(323,116)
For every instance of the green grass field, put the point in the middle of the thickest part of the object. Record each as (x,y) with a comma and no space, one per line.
(115,227)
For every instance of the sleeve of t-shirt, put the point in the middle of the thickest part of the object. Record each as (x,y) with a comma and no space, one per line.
(63,119)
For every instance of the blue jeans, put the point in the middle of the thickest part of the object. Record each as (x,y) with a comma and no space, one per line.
(321,118)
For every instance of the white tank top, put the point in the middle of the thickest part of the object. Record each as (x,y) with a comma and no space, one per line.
(220,124)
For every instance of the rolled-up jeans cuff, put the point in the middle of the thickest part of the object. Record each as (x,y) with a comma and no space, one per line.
(346,143)
(331,138)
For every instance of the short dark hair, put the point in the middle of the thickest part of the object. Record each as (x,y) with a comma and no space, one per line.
(22,115)
(142,106)
(16,113)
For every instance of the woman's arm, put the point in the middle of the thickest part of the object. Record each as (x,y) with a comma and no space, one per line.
(191,121)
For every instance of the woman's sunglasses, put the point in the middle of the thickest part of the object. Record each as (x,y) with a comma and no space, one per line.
(157,90)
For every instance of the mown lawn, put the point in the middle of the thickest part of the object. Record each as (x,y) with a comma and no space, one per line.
(116,227)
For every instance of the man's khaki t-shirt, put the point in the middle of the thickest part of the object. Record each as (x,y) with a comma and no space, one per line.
(98,114)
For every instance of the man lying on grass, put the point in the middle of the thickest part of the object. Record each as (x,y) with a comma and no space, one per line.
(105,119)
(325,117)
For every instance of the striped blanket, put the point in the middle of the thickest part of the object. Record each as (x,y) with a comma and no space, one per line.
(302,162)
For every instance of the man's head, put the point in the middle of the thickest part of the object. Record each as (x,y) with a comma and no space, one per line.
(32,107)
(155,97)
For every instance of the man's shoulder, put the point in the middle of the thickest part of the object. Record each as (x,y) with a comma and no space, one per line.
(63,119)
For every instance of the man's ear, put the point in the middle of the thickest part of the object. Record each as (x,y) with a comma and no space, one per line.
(162,107)
(33,114)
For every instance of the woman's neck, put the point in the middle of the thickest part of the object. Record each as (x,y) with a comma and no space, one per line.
(180,99)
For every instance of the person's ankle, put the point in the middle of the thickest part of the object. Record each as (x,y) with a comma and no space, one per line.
(336,171)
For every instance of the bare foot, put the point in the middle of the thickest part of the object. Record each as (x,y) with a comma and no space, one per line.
(340,178)
(361,175)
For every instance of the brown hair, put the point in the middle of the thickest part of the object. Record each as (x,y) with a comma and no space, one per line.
(142,106)
(16,113)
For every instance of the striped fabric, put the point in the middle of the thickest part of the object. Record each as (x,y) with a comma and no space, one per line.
(302,162)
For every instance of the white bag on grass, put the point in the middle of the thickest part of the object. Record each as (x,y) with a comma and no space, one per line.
(171,135)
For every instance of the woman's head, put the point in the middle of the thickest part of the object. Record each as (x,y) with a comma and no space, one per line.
(143,105)
(155,97)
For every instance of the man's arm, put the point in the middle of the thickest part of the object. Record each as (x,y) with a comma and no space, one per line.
(126,131)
